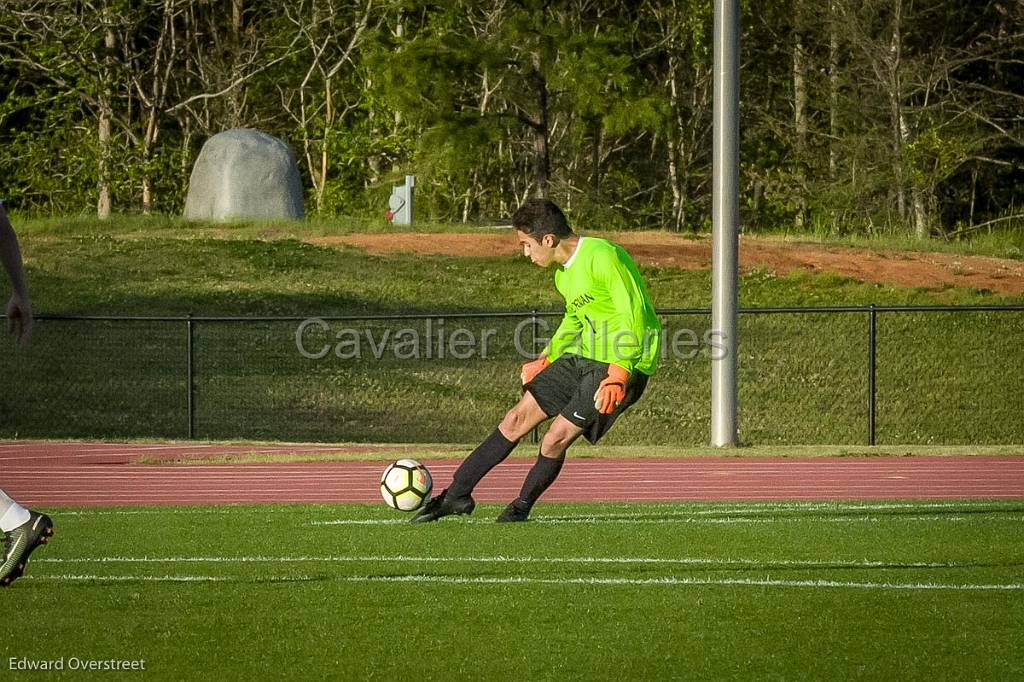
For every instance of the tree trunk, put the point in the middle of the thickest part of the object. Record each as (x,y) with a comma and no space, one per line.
(399,34)
(236,99)
(833,102)
(471,191)
(691,150)
(104,201)
(540,160)
(541,165)
(324,158)
(919,218)
(149,141)
(675,222)
(896,110)
(162,73)
(674,150)
(921,228)
(833,90)
(373,162)
(800,117)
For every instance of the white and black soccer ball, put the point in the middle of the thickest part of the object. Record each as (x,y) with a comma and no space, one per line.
(406,485)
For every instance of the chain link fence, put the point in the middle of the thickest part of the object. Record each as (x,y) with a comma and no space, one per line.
(852,375)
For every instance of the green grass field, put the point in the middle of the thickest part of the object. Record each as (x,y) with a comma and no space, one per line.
(893,590)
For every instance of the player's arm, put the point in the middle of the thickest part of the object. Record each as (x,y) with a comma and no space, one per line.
(19,307)
(564,340)
(626,329)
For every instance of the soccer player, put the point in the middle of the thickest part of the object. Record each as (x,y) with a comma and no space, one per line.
(596,365)
(23,529)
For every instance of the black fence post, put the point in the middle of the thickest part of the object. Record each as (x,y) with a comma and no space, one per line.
(872,314)
(189,345)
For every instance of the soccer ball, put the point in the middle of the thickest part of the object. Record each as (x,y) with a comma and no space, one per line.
(405,485)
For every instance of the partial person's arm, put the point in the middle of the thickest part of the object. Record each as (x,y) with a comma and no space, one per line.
(19,307)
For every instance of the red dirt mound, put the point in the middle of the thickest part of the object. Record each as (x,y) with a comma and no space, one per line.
(901,268)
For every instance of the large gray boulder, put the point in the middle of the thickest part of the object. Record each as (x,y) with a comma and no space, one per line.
(244,173)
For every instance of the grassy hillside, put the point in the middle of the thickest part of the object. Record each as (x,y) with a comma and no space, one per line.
(164,267)
(942,378)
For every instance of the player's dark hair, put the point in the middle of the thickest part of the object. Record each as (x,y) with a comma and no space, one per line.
(538,217)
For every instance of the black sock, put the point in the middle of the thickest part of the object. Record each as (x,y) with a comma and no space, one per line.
(487,455)
(542,475)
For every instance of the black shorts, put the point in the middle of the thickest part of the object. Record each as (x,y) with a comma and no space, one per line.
(567,387)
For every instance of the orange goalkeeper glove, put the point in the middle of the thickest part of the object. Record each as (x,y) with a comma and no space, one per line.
(531,369)
(612,390)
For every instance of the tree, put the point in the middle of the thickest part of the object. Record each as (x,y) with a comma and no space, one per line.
(331,38)
(937,70)
(677,60)
(857,115)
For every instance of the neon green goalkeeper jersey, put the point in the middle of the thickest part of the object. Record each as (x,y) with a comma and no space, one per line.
(609,316)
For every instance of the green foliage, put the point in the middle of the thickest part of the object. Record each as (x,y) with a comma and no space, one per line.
(463,93)
(37,173)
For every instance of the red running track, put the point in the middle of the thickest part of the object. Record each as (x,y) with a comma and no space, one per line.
(108,474)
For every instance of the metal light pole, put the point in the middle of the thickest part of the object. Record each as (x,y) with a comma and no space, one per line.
(725,222)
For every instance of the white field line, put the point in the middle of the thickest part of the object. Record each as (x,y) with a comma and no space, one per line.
(134,578)
(282,508)
(725,520)
(930,518)
(671,508)
(402,558)
(483,580)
